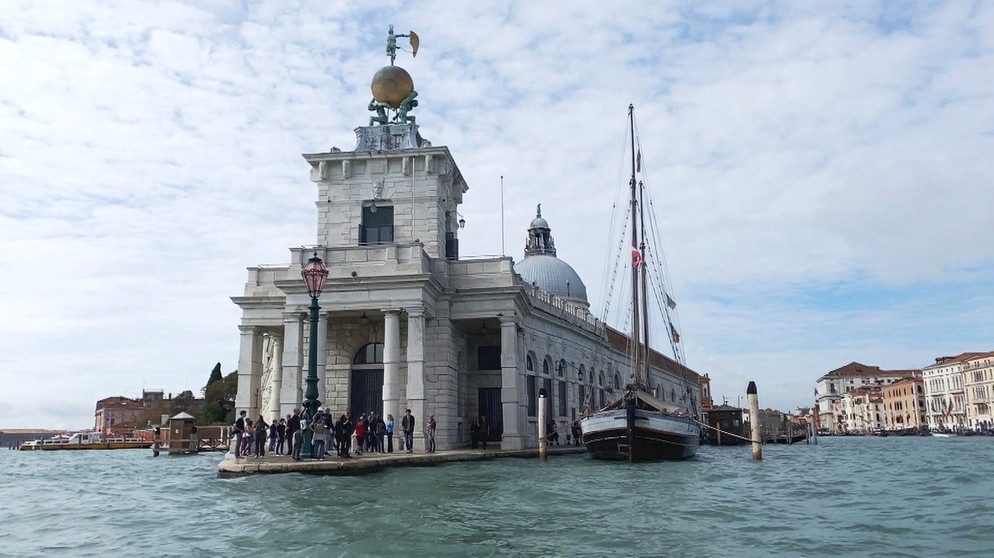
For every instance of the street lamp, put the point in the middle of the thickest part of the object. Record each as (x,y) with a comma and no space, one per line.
(315,274)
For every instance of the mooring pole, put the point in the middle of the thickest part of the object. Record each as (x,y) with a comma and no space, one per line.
(753,399)
(814,432)
(543,440)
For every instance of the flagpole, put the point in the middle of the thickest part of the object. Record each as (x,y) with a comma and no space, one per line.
(502,253)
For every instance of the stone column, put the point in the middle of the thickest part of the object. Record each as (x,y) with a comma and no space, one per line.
(276,381)
(391,364)
(323,318)
(249,371)
(416,373)
(291,391)
(510,392)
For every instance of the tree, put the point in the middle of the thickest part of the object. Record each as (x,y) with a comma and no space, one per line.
(219,404)
(215,375)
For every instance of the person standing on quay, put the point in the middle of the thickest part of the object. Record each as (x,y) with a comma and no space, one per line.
(359,435)
(280,436)
(389,433)
(430,434)
(407,425)
(296,435)
(317,425)
(272,437)
(484,432)
(261,428)
(474,434)
(379,433)
(239,431)
(248,437)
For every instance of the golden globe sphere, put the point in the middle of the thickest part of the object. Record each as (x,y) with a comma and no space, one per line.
(391,84)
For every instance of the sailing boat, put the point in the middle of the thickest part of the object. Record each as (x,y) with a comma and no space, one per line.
(639,426)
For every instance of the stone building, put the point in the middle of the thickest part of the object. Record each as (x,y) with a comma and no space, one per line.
(959,392)
(945,393)
(904,404)
(117,415)
(978,384)
(406,321)
(832,388)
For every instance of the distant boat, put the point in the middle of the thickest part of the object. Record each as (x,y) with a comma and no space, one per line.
(638,426)
(942,435)
(84,441)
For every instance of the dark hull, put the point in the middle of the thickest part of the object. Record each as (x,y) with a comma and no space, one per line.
(648,446)
(640,435)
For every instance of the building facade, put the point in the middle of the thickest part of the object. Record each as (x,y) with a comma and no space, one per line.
(116,416)
(406,321)
(832,409)
(945,392)
(978,385)
(904,404)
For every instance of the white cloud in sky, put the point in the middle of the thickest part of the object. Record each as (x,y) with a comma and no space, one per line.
(821,171)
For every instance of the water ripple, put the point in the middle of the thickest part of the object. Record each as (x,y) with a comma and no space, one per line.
(844,497)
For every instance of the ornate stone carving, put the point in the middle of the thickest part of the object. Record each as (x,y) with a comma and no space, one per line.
(389,137)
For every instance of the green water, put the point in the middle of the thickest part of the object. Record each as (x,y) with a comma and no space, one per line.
(844,497)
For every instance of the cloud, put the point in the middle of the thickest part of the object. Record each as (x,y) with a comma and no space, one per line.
(806,162)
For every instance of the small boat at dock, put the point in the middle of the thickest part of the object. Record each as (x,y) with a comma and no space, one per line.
(85,441)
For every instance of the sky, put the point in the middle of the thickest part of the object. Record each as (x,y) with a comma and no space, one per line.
(822,172)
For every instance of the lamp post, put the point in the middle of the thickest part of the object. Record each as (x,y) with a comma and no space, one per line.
(315,274)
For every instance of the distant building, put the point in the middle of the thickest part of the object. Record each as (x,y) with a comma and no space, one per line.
(832,387)
(118,415)
(863,410)
(904,404)
(945,392)
(978,383)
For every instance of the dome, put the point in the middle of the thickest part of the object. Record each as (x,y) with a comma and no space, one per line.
(553,275)
(539,223)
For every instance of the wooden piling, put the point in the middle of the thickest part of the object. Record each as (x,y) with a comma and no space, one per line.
(543,439)
(753,399)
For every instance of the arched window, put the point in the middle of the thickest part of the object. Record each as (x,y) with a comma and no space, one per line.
(561,367)
(579,374)
(545,366)
(617,381)
(529,363)
(600,379)
(371,353)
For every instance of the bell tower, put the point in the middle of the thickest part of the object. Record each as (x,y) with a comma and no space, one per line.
(394,187)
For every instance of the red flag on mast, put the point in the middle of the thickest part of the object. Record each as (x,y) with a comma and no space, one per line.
(636,257)
(670,302)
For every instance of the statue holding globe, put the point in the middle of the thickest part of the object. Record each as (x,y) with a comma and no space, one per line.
(393,87)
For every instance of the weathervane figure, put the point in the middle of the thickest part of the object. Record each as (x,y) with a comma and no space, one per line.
(392,44)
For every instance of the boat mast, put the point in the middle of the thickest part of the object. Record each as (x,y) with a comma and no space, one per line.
(637,361)
(643,273)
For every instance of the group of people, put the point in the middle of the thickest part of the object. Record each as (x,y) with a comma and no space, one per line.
(573,433)
(479,433)
(369,433)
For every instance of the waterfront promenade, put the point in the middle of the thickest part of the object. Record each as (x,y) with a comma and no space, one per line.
(230,467)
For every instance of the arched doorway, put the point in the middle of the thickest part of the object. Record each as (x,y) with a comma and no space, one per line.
(366,380)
